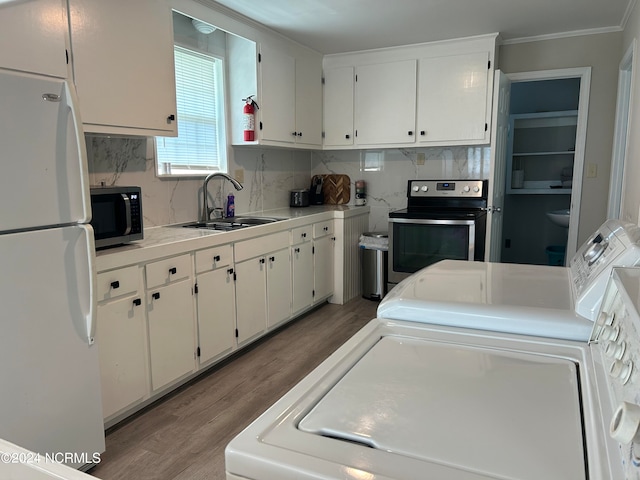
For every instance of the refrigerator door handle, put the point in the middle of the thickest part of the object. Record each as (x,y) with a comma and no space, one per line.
(93,281)
(72,102)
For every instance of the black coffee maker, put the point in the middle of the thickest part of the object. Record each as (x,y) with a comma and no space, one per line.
(316,197)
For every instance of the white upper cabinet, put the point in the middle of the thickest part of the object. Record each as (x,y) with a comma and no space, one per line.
(430,94)
(338,106)
(385,105)
(123,66)
(290,102)
(277,103)
(34,37)
(309,101)
(452,98)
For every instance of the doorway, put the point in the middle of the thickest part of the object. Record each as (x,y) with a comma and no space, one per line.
(544,164)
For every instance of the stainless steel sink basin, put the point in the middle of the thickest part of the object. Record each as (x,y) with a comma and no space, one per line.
(232,223)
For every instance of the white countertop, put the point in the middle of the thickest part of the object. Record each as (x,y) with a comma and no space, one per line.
(175,239)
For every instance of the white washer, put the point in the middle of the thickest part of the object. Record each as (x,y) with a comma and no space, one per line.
(558,302)
(409,400)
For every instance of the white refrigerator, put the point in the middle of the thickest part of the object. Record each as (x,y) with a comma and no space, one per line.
(50,399)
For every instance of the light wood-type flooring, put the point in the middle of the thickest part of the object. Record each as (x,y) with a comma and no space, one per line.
(184,436)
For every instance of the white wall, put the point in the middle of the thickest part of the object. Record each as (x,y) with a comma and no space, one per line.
(602,53)
(631,193)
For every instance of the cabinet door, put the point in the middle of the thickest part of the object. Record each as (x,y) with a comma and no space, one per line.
(34,37)
(216,313)
(251,298)
(278,287)
(302,268)
(323,254)
(386,103)
(452,103)
(338,106)
(277,97)
(124,66)
(171,332)
(309,100)
(120,336)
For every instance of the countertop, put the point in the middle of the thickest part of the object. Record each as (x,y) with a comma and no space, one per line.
(174,239)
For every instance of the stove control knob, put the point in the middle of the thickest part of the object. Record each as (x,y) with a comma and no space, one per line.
(424,188)
(609,332)
(466,188)
(476,189)
(415,188)
(615,350)
(625,423)
(621,370)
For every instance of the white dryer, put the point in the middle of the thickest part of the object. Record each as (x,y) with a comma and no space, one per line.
(558,302)
(412,400)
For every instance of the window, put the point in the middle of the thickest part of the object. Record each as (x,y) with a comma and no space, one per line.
(200,147)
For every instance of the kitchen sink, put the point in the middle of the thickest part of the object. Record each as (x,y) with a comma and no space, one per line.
(232,223)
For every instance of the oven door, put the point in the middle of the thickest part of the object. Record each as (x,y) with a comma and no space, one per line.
(418,243)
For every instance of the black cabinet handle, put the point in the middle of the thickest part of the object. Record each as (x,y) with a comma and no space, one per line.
(171,118)
(347,136)
(297,250)
(261,260)
(230,271)
(326,229)
(410,132)
(156,296)
(115,284)
(299,134)
(173,270)
(137,302)
(294,133)
(304,235)
(272,259)
(423,133)
(216,258)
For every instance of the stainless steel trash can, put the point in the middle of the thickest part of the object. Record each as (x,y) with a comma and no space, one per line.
(374,247)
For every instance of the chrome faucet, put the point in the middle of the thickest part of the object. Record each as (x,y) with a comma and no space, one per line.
(206,211)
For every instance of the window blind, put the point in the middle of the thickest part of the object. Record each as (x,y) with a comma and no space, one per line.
(200,144)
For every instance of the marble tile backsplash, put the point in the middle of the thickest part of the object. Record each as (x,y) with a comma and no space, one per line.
(269,175)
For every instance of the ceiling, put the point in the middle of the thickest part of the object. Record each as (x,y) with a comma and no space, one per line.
(333,26)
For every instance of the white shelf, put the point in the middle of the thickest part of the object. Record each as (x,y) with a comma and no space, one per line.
(543,154)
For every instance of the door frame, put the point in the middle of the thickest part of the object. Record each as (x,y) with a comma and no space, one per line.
(626,79)
(584,74)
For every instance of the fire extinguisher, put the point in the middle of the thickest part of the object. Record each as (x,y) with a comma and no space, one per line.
(249,119)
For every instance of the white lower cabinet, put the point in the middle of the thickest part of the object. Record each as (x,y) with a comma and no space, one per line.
(251,298)
(302,267)
(216,304)
(170,314)
(278,287)
(121,338)
(263,284)
(323,258)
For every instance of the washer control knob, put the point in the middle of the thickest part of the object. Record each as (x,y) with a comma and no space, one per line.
(625,423)
(615,350)
(476,189)
(466,188)
(415,188)
(610,333)
(621,370)
(424,188)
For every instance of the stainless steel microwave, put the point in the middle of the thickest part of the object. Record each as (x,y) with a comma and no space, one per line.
(116,215)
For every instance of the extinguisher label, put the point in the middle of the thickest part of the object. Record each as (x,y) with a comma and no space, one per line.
(249,121)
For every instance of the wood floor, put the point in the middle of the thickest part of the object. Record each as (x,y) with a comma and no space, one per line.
(184,437)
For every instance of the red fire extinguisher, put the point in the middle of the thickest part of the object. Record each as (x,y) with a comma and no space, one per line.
(249,119)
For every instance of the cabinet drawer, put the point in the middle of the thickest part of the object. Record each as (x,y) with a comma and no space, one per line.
(321,229)
(301,234)
(213,258)
(117,283)
(261,245)
(168,270)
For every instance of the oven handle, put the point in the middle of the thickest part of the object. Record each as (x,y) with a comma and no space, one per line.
(429,221)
